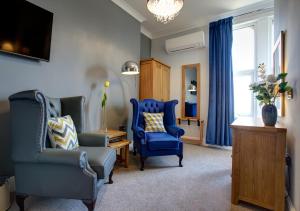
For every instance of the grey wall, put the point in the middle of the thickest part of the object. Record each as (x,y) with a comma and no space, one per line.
(287,18)
(176,60)
(145,47)
(91,40)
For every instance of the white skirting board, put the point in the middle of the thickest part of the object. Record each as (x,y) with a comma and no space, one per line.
(289,204)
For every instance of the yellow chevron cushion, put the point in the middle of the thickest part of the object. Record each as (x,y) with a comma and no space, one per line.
(154,122)
(62,133)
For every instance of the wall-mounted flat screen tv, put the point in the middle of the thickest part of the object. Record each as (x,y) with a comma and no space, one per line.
(25,29)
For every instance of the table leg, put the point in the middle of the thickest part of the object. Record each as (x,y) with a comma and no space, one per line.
(121,154)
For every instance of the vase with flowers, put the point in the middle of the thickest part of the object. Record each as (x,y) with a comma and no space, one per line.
(267,90)
(103,106)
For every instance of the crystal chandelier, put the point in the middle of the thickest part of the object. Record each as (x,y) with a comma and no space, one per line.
(164,10)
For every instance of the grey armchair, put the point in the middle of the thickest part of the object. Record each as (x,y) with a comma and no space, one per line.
(48,172)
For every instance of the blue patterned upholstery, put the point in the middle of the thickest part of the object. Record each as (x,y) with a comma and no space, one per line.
(156,143)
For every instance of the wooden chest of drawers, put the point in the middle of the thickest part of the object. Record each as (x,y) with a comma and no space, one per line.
(258,164)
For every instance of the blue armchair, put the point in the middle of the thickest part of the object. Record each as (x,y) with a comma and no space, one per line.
(156,143)
(50,172)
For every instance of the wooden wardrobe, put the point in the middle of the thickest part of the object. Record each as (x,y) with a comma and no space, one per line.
(154,80)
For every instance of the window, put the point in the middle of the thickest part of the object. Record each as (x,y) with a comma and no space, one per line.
(252,45)
(243,53)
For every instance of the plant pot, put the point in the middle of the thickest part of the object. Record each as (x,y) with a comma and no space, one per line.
(269,115)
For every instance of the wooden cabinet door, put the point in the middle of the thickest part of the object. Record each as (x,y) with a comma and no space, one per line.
(257,167)
(165,83)
(157,81)
(146,78)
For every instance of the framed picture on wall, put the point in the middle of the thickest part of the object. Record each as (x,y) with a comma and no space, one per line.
(279,67)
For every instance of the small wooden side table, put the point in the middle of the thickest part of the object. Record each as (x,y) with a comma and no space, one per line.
(123,145)
(114,135)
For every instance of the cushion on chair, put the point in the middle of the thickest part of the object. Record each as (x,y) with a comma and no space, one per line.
(62,133)
(154,122)
(161,141)
(101,160)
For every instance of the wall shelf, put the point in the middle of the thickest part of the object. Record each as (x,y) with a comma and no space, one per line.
(200,123)
(189,120)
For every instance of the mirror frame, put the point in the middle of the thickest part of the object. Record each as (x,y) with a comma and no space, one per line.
(279,47)
(183,88)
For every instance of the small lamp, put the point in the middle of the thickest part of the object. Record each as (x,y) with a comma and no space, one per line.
(130,68)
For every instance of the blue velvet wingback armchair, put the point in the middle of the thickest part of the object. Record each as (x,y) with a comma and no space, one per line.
(156,143)
(49,172)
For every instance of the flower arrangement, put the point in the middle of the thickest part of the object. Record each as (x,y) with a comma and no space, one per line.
(269,88)
(104,97)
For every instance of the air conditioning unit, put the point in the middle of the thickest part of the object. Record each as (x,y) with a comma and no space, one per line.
(186,42)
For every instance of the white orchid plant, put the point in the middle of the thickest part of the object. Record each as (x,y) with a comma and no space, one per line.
(269,87)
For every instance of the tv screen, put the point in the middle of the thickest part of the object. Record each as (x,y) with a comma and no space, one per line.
(25,29)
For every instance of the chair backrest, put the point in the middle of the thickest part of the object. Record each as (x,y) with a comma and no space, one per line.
(30,111)
(152,106)
(148,106)
(54,110)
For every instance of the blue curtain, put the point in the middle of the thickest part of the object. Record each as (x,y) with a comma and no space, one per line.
(221,111)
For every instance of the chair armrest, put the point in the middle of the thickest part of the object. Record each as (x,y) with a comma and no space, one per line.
(175,131)
(139,132)
(92,140)
(63,157)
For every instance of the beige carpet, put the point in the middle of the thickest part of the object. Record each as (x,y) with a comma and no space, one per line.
(204,184)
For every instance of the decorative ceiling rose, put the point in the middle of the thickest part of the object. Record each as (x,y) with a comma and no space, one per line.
(164,10)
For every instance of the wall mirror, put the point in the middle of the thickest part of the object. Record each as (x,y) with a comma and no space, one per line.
(190,102)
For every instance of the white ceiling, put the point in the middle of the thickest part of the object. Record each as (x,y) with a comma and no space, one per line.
(195,13)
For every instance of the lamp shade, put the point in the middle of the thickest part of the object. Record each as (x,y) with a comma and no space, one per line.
(192,88)
(130,68)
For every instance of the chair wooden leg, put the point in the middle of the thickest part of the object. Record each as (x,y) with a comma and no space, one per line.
(142,163)
(180,160)
(20,199)
(110,181)
(90,205)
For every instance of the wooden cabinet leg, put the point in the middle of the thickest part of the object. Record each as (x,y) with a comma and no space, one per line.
(126,156)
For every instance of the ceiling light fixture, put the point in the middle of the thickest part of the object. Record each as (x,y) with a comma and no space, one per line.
(164,10)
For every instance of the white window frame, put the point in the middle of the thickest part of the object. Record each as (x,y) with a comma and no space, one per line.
(253,72)
(262,29)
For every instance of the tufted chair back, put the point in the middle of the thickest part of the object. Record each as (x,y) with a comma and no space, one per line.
(73,106)
(54,110)
(153,106)
(149,106)
(54,107)
(36,109)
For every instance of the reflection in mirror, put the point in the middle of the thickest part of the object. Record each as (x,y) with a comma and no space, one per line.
(190,91)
